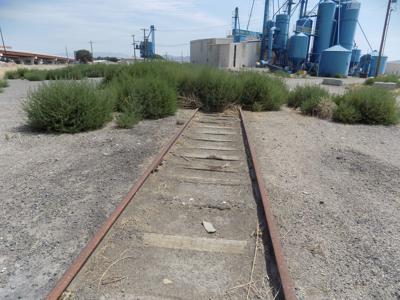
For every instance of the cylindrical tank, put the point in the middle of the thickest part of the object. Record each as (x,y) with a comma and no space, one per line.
(335,61)
(355,56)
(298,49)
(304,25)
(282,31)
(348,16)
(323,28)
(374,63)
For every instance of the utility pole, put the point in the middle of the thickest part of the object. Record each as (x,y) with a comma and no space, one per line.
(2,39)
(385,30)
(66,52)
(91,47)
(144,44)
(134,47)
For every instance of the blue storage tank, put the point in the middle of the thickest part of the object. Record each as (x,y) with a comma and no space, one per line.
(349,13)
(335,61)
(374,63)
(282,32)
(323,28)
(298,49)
(304,25)
(355,56)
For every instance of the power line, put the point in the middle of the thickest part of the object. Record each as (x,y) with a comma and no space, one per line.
(251,13)
(365,36)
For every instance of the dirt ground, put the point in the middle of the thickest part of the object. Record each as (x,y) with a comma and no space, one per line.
(335,191)
(56,190)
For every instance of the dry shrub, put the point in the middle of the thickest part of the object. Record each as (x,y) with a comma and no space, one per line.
(325,109)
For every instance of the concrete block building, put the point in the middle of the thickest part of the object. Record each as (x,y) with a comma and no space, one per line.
(224,53)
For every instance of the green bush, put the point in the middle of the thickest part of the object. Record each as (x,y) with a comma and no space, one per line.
(17,74)
(309,106)
(67,107)
(384,78)
(156,98)
(35,75)
(3,83)
(302,93)
(259,92)
(368,105)
(216,89)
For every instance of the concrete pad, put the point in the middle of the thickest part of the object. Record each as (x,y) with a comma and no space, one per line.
(386,85)
(331,81)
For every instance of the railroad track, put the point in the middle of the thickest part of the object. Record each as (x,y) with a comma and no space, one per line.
(159,242)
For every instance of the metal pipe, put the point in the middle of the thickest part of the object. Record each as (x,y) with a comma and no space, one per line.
(302,2)
(378,64)
(153,39)
(265,30)
(338,24)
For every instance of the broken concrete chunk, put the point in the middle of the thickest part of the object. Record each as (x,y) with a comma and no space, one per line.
(167,281)
(209,227)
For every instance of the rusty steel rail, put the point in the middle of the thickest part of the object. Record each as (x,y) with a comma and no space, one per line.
(91,246)
(284,275)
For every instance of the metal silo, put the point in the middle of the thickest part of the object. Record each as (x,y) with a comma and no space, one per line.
(355,62)
(298,49)
(304,25)
(282,32)
(355,56)
(349,12)
(323,28)
(374,62)
(335,61)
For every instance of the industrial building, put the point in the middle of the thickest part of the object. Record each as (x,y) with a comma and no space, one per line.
(323,42)
(224,53)
(393,67)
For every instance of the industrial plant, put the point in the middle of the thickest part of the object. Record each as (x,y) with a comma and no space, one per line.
(322,42)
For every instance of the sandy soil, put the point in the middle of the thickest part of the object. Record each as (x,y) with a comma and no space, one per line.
(335,191)
(56,190)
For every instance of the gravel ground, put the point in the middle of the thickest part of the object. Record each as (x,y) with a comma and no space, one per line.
(335,191)
(56,190)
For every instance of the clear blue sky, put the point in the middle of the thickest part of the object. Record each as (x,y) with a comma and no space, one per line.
(47,26)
